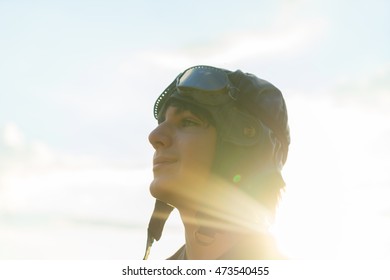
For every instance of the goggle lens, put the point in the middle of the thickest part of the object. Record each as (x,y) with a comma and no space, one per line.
(203,84)
(203,79)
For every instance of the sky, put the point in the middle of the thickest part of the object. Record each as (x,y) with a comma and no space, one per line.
(78,80)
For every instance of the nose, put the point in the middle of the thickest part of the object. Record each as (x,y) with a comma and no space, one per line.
(160,136)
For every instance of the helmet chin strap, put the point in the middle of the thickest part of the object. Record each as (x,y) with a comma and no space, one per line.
(160,215)
(204,235)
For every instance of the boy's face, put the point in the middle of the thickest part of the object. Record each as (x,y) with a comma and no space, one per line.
(184,153)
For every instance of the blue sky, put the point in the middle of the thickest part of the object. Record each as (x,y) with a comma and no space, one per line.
(78,80)
(85,51)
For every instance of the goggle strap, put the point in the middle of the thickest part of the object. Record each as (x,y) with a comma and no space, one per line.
(166,93)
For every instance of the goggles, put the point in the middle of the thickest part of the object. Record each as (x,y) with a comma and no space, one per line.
(201,84)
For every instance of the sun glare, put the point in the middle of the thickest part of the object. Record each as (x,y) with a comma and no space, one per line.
(314,224)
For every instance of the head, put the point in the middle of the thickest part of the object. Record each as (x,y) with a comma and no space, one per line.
(242,136)
(184,142)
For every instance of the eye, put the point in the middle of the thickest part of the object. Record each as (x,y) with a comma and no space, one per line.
(187,122)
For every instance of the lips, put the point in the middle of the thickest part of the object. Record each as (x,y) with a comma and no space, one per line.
(161,161)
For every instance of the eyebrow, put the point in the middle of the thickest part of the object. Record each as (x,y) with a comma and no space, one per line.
(180,111)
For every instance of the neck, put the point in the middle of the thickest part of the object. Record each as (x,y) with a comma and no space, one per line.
(231,213)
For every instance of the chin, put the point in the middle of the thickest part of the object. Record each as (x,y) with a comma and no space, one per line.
(162,191)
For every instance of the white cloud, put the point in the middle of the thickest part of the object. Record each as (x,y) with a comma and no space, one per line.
(234,47)
(43,180)
(127,82)
(368,90)
(117,87)
(13,136)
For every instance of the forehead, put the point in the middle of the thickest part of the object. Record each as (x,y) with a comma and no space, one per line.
(177,106)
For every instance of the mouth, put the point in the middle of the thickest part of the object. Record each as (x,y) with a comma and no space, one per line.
(160,162)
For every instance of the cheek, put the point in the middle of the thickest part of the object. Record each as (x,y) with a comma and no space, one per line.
(203,155)
(198,155)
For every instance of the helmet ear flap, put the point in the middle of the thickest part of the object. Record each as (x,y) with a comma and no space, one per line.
(264,101)
(254,169)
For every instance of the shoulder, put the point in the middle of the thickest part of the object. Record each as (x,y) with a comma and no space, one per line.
(253,247)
